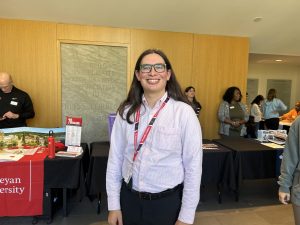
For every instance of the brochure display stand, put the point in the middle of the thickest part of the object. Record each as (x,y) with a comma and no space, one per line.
(73,131)
(73,138)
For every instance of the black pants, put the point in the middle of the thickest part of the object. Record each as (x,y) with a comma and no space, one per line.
(163,211)
(296,210)
(272,124)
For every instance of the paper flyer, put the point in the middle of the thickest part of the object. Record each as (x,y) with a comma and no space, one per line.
(73,131)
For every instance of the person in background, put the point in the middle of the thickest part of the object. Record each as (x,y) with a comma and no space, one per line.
(155,158)
(232,114)
(190,94)
(271,108)
(255,116)
(292,114)
(15,104)
(289,179)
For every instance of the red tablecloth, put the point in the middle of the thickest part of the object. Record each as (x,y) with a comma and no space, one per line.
(21,186)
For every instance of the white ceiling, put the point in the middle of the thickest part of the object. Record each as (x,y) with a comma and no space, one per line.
(278,32)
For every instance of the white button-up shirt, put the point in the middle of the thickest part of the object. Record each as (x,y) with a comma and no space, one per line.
(171,154)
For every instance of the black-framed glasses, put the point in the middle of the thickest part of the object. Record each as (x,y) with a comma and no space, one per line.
(158,67)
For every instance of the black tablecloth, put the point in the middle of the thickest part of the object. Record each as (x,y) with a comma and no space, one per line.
(65,173)
(217,167)
(96,178)
(252,160)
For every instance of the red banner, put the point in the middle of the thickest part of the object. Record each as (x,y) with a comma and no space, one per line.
(75,121)
(21,186)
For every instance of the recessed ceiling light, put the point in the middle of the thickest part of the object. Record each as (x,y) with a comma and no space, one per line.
(278,60)
(257,19)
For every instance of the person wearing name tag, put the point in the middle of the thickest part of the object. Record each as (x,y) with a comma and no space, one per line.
(232,114)
(15,105)
(155,159)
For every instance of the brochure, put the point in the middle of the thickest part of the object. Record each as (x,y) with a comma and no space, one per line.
(73,131)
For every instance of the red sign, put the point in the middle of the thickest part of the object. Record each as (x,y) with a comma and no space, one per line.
(75,121)
(21,186)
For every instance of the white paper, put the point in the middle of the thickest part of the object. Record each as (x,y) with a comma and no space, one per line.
(273,145)
(77,149)
(4,157)
(73,135)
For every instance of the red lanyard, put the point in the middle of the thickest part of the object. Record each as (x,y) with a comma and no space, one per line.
(147,130)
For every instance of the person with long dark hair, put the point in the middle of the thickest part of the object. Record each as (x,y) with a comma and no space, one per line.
(190,94)
(271,109)
(255,116)
(232,114)
(155,158)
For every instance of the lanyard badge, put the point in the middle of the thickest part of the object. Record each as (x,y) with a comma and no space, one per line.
(137,148)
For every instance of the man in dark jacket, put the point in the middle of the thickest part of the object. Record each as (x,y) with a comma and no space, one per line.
(15,104)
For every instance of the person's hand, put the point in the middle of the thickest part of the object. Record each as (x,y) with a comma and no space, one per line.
(115,217)
(284,198)
(178,222)
(235,123)
(10,115)
(2,118)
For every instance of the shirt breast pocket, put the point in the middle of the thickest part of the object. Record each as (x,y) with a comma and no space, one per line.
(167,139)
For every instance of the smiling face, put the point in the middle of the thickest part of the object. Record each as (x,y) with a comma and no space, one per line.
(190,93)
(153,82)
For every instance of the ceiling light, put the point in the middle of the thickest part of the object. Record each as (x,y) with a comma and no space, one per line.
(257,19)
(278,60)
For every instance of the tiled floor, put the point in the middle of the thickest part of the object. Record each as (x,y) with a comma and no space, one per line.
(258,205)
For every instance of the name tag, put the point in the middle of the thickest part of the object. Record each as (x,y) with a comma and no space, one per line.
(128,175)
(14,103)
(231,107)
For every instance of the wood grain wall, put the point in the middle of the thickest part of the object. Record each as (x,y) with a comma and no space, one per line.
(218,63)
(30,51)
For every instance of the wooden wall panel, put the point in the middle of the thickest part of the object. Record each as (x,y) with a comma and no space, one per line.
(92,33)
(218,63)
(177,46)
(28,52)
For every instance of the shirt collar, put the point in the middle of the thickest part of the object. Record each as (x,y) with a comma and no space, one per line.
(158,103)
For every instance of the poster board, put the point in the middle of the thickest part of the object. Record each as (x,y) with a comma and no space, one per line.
(94,83)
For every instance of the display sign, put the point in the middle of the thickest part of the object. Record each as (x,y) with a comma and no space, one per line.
(21,186)
(73,131)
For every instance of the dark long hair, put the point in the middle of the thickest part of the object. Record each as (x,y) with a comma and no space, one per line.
(229,93)
(257,99)
(134,97)
(187,90)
